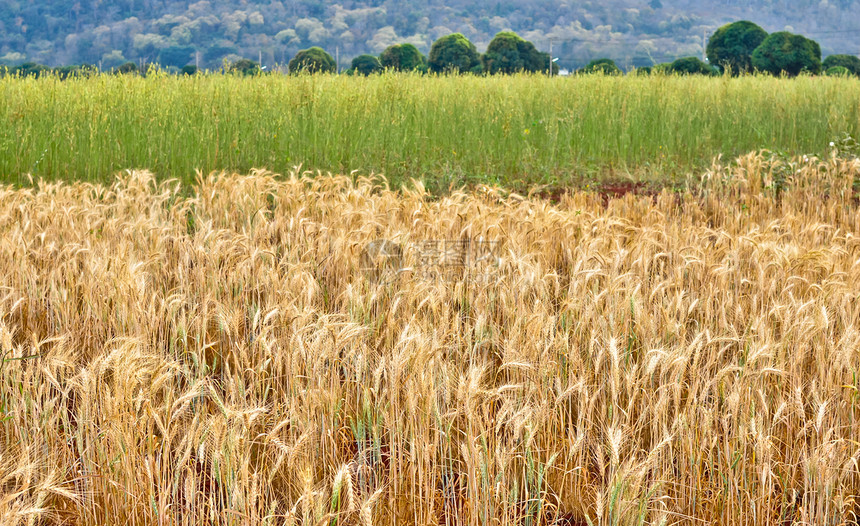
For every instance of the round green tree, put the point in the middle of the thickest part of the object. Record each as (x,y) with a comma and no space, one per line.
(365,65)
(127,68)
(403,57)
(454,53)
(849,62)
(606,66)
(733,44)
(691,66)
(245,67)
(787,53)
(509,53)
(312,60)
(837,71)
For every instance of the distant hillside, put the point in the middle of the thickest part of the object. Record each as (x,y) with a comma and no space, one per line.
(633,32)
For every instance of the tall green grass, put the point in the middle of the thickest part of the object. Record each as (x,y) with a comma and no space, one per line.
(511,130)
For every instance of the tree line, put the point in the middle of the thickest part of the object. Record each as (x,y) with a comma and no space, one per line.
(174,33)
(735,48)
(744,47)
(454,53)
(506,53)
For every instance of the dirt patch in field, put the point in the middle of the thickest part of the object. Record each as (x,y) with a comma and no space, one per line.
(618,189)
(608,190)
(553,194)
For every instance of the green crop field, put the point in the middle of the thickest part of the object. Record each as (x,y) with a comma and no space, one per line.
(511,130)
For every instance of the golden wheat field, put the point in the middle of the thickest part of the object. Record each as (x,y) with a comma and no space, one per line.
(322,351)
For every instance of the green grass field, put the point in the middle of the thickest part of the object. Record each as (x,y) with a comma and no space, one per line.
(516,131)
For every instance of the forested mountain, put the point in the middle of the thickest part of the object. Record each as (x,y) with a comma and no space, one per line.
(172,32)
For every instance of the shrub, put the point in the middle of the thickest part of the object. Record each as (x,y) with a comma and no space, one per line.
(244,67)
(837,71)
(605,66)
(126,68)
(691,66)
(65,72)
(30,69)
(849,62)
(190,69)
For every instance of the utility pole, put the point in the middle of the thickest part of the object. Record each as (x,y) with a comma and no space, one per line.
(704,45)
(336,59)
(550,57)
(197,60)
(261,58)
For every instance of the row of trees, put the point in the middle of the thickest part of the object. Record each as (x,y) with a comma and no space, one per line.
(33,69)
(682,66)
(506,53)
(177,33)
(735,48)
(743,46)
